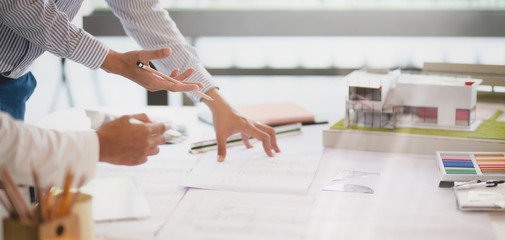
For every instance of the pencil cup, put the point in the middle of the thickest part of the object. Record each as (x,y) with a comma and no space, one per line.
(65,228)
(82,209)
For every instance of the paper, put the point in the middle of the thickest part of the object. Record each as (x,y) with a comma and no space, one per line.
(250,170)
(116,198)
(480,198)
(407,202)
(204,214)
(159,178)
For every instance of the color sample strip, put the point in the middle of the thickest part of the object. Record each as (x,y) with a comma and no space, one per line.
(458,163)
(491,162)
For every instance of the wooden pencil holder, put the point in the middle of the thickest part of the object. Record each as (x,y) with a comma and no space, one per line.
(64,228)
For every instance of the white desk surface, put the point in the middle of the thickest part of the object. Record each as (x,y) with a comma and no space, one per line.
(406,203)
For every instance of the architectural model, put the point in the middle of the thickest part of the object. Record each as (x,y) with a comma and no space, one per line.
(392,99)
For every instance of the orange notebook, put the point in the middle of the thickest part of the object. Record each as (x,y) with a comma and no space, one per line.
(277,113)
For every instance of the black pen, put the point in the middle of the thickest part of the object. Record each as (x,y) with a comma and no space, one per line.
(475,183)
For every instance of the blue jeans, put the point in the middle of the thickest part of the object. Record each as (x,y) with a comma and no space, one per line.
(14,93)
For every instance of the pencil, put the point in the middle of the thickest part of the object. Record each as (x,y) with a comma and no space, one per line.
(38,190)
(67,195)
(15,197)
(76,194)
(143,66)
(46,203)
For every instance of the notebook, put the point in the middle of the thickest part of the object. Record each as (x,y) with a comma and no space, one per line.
(272,114)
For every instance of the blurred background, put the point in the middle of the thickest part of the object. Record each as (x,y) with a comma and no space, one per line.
(284,50)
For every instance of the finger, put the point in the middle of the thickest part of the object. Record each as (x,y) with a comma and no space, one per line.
(158,140)
(138,161)
(174,73)
(163,84)
(153,151)
(147,55)
(200,85)
(186,87)
(140,116)
(157,128)
(221,148)
(273,137)
(262,136)
(185,74)
(245,139)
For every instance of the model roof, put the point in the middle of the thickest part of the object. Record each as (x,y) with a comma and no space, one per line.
(367,80)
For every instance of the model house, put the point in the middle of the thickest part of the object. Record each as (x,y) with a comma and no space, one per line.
(395,98)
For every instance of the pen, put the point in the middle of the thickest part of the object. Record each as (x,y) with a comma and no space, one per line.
(474,183)
(208,145)
(161,75)
(169,134)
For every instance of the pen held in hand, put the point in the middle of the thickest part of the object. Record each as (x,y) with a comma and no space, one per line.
(143,66)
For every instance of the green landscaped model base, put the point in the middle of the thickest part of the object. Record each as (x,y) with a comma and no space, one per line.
(488,129)
(488,137)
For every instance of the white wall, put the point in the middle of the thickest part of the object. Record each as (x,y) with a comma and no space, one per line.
(446,98)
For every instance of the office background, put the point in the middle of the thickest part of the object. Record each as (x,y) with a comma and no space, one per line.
(303,69)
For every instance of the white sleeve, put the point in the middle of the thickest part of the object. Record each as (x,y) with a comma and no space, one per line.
(151,26)
(49,151)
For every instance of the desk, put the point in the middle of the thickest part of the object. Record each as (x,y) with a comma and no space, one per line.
(407,203)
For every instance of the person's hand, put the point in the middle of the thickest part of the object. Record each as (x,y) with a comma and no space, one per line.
(227,121)
(125,64)
(126,143)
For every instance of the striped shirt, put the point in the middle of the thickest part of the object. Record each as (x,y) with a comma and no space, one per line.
(28,28)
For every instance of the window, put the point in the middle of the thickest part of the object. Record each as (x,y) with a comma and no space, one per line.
(463,117)
(377,93)
(420,114)
(428,115)
(361,93)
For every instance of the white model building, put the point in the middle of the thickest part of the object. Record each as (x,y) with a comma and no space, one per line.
(410,99)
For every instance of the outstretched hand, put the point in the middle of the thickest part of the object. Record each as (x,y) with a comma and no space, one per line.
(227,121)
(125,64)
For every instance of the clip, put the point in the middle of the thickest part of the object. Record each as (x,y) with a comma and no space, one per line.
(494,183)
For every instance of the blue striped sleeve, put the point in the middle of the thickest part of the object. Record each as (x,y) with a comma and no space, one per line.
(151,26)
(44,25)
